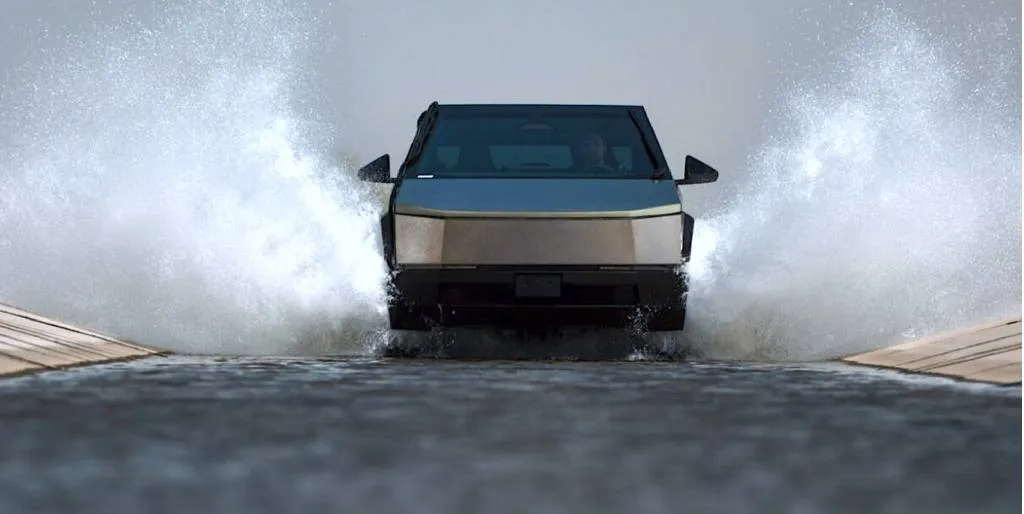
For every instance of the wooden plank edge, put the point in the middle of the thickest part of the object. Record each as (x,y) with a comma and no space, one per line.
(81,364)
(33,317)
(932,339)
(140,351)
(935,338)
(936,374)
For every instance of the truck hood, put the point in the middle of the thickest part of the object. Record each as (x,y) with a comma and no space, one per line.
(547,197)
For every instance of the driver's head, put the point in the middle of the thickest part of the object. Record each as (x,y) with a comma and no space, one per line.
(591,149)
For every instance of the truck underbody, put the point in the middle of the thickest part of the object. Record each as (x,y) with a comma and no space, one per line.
(538,297)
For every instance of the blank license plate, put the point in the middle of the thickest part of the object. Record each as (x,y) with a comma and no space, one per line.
(543,286)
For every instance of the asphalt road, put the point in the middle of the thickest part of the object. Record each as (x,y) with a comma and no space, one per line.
(261,435)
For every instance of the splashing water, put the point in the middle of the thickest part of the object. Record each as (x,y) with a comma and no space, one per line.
(162,189)
(891,211)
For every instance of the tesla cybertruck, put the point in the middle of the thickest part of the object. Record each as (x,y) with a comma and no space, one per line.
(536,216)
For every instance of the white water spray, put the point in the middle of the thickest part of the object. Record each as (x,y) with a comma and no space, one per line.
(891,210)
(161,188)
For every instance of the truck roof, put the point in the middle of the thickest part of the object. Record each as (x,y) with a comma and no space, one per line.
(505,108)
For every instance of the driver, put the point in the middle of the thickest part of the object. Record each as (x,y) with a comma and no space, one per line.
(591,149)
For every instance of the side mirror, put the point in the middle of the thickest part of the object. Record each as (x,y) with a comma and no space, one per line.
(379,170)
(696,172)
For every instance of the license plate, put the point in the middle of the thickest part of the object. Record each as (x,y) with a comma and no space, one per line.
(538,286)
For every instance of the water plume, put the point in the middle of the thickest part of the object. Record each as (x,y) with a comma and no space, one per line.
(889,208)
(162,187)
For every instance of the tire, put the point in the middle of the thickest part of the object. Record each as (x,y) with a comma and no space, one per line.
(405,317)
(671,318)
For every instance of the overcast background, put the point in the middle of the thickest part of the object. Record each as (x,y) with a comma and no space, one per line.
(710,73)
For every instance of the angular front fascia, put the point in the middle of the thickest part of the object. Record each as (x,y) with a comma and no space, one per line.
(575,241)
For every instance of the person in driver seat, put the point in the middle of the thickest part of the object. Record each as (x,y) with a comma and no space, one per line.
(591,150)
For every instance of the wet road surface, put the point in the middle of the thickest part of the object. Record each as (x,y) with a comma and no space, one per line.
(261,435)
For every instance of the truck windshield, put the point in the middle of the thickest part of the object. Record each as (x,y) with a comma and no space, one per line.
(556,145)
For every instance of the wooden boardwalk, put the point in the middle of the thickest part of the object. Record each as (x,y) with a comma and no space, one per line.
(987,353)
(984,353)
(29,342)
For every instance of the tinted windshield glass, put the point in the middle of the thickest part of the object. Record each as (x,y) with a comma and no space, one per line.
(553,145)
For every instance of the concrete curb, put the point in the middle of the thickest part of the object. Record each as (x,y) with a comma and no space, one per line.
(985,353)
(30,342)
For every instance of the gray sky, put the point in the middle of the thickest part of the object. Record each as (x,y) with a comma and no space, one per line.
(709,72)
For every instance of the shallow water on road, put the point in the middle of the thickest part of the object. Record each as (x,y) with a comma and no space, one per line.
(196,434)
